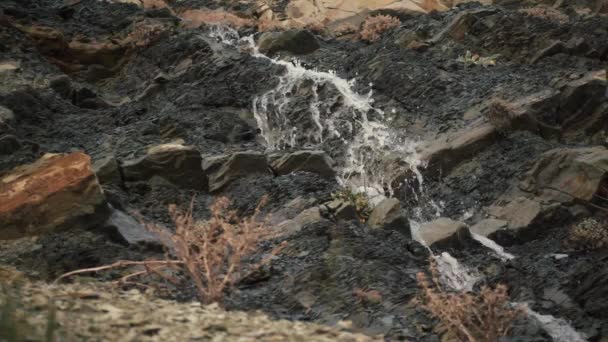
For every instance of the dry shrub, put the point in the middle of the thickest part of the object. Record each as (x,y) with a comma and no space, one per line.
(475,318)
(367,295)
(501,115)
(588,234)
(213,251)
(345,29)
(198,17)
(375,26)
(548,13)
(316,27)
(216,253)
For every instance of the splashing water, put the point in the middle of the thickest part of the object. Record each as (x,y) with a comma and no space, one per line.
(318,109)
(373,157)
(557,328)
(491,244)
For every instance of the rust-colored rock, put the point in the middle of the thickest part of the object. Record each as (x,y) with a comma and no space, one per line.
(56,192)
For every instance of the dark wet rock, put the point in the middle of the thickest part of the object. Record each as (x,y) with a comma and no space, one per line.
(553,48)
(458,28)
(126,230)
(306,217)
(223,170)
(342,210)
(310,161)
(591,292)
(9,144)
(583,108)
(7,119)
(524,114)
(62,85)
(67,195)
(444,233)
(181,165)
(566,174)
(107,170)
(294,41)
(389,215)
(450,149)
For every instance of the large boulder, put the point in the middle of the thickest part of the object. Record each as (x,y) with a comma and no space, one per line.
(444,233)
(294,41)
(310,161)
(56,192)
(565,174)
(389,215)
(223,170)
(179,164)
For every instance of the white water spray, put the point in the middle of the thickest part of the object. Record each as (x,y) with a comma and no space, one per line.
(374,155)
(310,109)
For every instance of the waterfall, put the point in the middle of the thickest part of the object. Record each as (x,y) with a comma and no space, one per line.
(372,155)
(333,116)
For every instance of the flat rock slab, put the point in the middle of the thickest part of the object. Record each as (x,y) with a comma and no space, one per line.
(127,230)
(240,164)
(177,163)
(565,174)
(55,192)
(445,233)
(310,161)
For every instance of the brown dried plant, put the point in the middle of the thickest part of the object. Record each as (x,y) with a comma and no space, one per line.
(375,26)
(589,234)
(548,13)
(213,251)
(216,253)
(475,318)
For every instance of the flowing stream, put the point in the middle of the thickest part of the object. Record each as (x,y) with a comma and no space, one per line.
(370,155)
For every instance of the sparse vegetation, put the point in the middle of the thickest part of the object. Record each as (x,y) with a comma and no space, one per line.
(358,200)
(500,114)
(589,234)
(484,317)
(214,252)
(475,59)
(375,26)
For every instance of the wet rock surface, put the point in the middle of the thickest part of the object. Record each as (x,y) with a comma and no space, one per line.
(513,150)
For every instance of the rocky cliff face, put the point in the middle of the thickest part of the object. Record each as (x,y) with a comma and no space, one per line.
(468,126)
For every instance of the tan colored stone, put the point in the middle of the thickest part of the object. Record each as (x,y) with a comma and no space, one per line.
(444,233)
(55,192)
(519,213)
(565,174)
(311,11)
(447,151)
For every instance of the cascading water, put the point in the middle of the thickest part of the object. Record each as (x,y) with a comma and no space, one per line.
(317,109)
(371,155)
